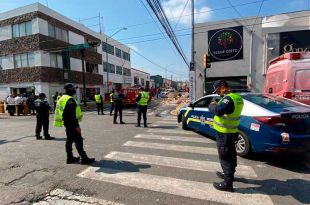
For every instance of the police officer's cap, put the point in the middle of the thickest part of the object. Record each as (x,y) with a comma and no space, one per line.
(217,84)
(69,86)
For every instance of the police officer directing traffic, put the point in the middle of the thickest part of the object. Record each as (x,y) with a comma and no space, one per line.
(42,107)
(227,113)
(142,100)
(99,102)
(118,98)
(68,113)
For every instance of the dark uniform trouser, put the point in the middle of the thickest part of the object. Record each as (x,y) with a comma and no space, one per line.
(74,137)
(100,108)
(227,155)
(42,120)
(111,108)
(142,109)
(118,108)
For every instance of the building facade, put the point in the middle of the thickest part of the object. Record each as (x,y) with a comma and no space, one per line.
(240,49)
(34,55)
(139,77)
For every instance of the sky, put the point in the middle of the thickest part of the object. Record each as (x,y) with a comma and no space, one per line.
(151,50)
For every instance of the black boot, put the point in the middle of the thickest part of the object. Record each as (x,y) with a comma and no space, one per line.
(87,160)
(220,175)
(223,187)
(72,160)
(48,137)
(38,137)
(138,125)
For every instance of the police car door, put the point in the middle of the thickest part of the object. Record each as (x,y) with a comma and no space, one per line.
(200,114)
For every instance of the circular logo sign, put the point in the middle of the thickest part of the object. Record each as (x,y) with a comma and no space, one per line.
(226,44)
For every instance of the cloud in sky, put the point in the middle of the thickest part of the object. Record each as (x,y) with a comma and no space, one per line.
(174,9)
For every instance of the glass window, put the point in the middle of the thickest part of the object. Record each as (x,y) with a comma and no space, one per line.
(53,58)
(118,52)
(204,102)
(112,68)
(15,31)
(59,61)
(22,29)
(111,49)
(28,28)
(65,35)
(269,102)
(142,81)
(58,33)
(302,80)
(119,70)
(104,46)
(24,62)
(105,67)
(1,63)
(30,59)
(17,61)
(51,31)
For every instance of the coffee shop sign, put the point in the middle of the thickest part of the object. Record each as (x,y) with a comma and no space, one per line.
(290,48)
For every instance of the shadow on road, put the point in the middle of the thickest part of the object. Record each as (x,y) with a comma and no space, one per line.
(297,188)
(115,166)
(15,140)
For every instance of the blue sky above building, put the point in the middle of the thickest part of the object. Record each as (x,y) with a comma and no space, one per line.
(145,35)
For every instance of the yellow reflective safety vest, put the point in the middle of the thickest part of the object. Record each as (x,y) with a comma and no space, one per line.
(98,98)
(58,97)
(144,98)
(111,97)
(60,107)
(229,123)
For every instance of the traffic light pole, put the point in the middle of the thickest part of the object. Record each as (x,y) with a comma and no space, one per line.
(83,77)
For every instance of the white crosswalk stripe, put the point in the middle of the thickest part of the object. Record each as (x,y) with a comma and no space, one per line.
(174,138)
(169,131)
(200,165)
(179,187)
(171,147)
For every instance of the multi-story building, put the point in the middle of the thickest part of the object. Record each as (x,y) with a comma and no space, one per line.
(140,77)
(33,58)
(240,49)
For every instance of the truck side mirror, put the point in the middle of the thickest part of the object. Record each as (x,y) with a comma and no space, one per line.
(270,90)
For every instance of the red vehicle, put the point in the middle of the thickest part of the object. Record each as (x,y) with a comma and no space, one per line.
(289,76)
(130,95)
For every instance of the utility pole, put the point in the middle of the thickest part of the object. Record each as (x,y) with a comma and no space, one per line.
(192,69)
(83,76)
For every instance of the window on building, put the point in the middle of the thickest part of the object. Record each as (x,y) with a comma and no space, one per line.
(24,60)
(51,31)
(126,72)
(112,68)
(126,56)
(91,68)
(58,33)
(136,80)
(119,70)
(1,64)
(107,48)
(22,29)
(53,58)
(118,52)
(142,81)
(105,66)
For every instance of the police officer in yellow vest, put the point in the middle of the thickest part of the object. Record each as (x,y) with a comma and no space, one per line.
(142,101)
(99,102)
(227,113)
(112,102)
(69,114)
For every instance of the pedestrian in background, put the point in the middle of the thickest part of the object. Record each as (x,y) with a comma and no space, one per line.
(19,104)
(118,98)
(112,102)
(226,122)
(68,113)
(10,105)
(55,99)
(42,108)
(99,103)
(30,103)
(142,100)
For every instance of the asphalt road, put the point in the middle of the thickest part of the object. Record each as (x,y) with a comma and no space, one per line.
(161,164)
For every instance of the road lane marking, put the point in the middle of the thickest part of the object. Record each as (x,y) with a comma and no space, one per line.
(241,170)
(170,131)
(179,187)
(171,147)
(174,138)
(60,196)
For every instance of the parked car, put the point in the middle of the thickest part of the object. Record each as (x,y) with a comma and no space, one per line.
(268,123)
(289,76)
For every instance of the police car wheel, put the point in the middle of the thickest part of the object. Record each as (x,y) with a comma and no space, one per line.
(184,125)
(243,146)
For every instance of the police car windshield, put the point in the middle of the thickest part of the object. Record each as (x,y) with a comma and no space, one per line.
(269,102)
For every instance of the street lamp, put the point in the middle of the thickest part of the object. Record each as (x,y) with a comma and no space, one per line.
(106,53)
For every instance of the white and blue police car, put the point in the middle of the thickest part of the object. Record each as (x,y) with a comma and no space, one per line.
(268,123)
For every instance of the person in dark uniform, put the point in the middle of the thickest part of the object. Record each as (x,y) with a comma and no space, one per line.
(42,107)
(227,113)
(99,102)
(118,98)
(68,113)
(142,100)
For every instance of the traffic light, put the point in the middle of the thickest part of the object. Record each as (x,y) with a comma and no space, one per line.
(206,61)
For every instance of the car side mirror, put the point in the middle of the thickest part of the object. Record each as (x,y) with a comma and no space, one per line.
(270,90)
(191,105)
